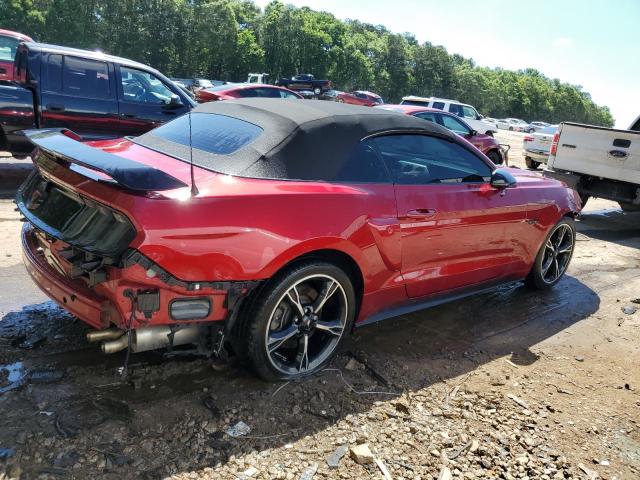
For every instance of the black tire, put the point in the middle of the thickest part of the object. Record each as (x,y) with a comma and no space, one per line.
(489,133)
(274,304)
(511,129)
(495,157)
(531,163)
(317,90)
(584,198)
(629,207)
(541,278)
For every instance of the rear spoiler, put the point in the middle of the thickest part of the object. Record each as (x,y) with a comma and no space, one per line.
(130,174)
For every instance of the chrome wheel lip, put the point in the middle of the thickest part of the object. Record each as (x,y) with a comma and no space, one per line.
(309,364)
(558,250)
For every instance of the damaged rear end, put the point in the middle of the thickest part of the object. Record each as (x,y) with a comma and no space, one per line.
(80,244)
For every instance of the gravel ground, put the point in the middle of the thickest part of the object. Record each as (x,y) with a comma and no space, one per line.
(512,384)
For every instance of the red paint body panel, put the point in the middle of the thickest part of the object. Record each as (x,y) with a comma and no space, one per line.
(248,229)
(6,66)
(366,99)
(229,92)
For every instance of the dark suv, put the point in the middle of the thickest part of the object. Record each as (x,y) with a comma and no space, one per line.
(98,96)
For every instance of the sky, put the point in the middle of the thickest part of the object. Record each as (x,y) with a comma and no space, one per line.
(593,43)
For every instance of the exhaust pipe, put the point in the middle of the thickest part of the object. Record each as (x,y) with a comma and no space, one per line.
(151,338)
(102,335)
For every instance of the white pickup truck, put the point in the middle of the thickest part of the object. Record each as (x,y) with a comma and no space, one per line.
(598,162)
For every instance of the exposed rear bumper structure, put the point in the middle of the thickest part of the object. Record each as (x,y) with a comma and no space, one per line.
(81,302)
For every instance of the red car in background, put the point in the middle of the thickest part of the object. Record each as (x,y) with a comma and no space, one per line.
(485,143)
(359,97)
(9,42)
(274,227)
(244,90)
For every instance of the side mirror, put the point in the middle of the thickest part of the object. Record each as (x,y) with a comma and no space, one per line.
(502,178)
(473,133)
(480,116)
(174,101)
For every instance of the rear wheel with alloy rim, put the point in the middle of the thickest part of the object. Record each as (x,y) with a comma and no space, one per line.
(300,319)
(554,256)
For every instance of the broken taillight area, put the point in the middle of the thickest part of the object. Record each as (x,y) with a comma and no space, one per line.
(96,234)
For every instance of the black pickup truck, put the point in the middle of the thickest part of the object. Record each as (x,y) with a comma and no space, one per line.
(304,82)
(97,96)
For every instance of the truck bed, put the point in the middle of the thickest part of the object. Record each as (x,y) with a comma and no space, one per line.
(598,152)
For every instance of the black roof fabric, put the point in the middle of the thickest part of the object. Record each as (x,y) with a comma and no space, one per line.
(301,139)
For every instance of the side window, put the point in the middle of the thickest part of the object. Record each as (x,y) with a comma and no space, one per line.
(247,92)
(267,92)
(362,165)
(438,105)
(455,125)
(53,77)
(143,87)
(456,109)
(469,112)
(85,78)
(422,159)
(429,116)
(285,94)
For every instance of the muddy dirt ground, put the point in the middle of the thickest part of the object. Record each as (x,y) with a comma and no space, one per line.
(512,384)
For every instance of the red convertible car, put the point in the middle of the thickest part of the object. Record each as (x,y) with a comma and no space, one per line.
(366,99)
(485,143)
(244,90)
(272,228)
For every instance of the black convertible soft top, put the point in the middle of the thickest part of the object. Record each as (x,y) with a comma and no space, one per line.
(299,139)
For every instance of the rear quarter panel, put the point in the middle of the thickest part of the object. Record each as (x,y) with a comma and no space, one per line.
(249,229)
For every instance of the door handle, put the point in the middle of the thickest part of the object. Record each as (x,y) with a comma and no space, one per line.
(128,115)
(420,213)
(54,107)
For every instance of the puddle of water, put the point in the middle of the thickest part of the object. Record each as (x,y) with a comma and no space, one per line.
(15,370)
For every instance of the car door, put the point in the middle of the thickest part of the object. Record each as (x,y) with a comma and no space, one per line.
(145,101)
(457,230)
(79,94)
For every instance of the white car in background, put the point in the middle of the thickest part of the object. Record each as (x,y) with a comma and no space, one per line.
(463,110)
(537,146)
(514,124)
(537,126)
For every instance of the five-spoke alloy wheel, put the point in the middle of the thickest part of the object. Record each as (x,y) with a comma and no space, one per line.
(554,256)
(299,321)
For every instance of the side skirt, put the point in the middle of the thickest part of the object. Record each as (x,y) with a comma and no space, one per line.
(434,300)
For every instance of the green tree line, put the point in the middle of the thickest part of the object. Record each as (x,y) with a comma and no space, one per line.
(226,39)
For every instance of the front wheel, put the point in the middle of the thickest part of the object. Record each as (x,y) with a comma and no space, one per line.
(317,91)
(554,256)
(299,320)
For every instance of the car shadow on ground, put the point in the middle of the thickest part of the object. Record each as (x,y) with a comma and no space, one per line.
(611,225)
(90,403)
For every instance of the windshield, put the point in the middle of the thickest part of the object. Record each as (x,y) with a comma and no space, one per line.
(8,47)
